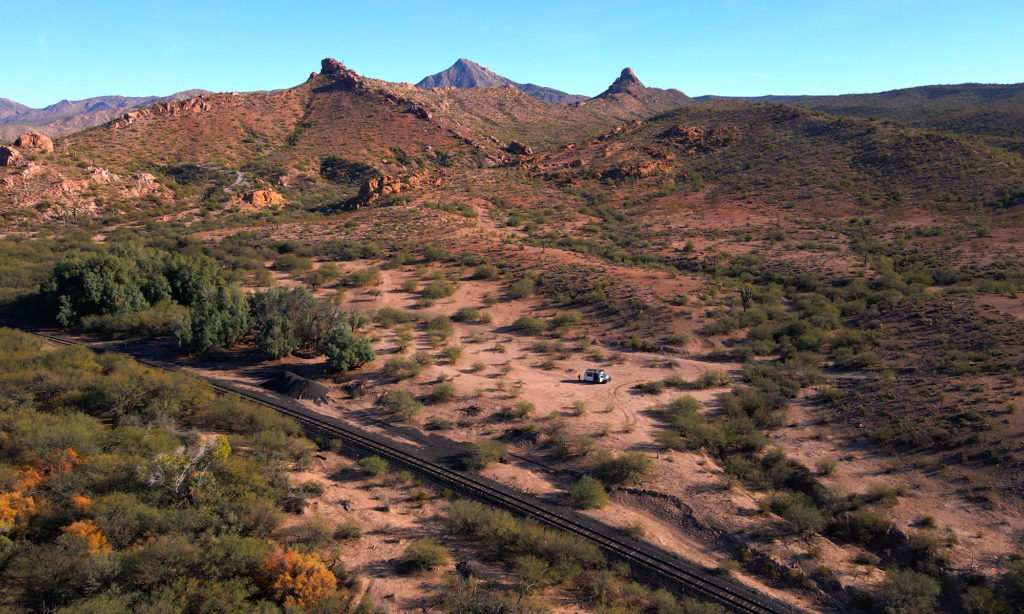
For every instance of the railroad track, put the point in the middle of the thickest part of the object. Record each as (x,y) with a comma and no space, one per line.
(647,562)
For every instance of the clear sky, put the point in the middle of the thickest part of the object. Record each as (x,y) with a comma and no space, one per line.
(74,49)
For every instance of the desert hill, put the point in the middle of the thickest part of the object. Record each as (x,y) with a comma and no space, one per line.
(992,112)
(468,74)
(69,116)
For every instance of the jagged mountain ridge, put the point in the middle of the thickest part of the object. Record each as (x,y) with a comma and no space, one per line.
(464,74)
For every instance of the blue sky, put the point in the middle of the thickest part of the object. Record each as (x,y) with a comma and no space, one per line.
(76,49)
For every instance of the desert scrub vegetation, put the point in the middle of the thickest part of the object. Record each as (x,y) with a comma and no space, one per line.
(483,453)
(587,493)
(124,474)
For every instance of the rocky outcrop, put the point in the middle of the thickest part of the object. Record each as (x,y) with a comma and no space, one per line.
(261,199)
(10,157)
(377,188)
(519,149)
(191,106)
(337,72)
(34,140)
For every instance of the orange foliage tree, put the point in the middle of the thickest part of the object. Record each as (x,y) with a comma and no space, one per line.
(92,534)
(14,508)
(294,578)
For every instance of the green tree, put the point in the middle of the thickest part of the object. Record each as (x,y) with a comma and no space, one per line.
(345,350)
(217,321)
(87,284)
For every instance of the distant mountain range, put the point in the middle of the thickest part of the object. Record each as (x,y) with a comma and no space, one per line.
(465,74)
(72,115)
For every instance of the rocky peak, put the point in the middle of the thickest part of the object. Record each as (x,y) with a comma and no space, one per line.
(338,72)
(627,83)
(330,66)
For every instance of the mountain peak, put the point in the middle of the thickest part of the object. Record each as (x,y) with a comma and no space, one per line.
(464,74)
(627,83)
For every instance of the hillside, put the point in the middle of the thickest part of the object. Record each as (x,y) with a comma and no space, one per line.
(994,113)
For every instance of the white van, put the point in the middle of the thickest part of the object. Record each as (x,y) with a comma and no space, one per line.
(597,376)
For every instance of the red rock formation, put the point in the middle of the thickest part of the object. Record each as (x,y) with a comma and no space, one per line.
(34,140)
(10,157)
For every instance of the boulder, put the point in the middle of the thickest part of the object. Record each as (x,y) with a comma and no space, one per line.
(34,140)
(519,149)
(10,157)
(263,198)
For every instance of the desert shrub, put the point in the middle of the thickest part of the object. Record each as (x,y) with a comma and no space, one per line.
(389,316)
(423,555)
(627,467)
(369,276)
(433,253)
(826,466)
(452,353)
(400,404)
(438,288)
(350,529)
(293,263)
(711,379)
(442,392)
(373,466)
(587,493)
(522,288)
(907,592)
(504,536)
(530,325)
(486,271)
(483,453)
(652,387)
(565,319)
(311,535)
(478,367)
(400,368)
(466,314)
(441,327)
(422,358)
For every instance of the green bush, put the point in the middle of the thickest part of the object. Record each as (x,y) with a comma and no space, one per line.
(530,325)
(486,271)
(400,404)
(441,327)
(587,493)
(374,466)
(438,288)
(522,288)
(483,453)
(466,314)
(423,555)
(400,368)
(442,392)
(908,592)
(627,467)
